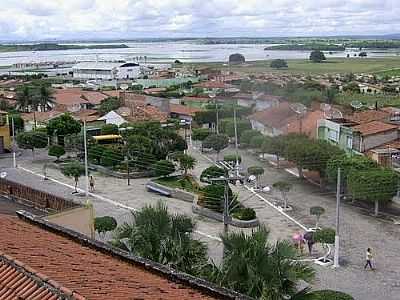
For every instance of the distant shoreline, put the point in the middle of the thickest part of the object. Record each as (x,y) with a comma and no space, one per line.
(53,46)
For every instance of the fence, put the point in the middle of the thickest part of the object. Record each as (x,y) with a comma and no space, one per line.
(35,198)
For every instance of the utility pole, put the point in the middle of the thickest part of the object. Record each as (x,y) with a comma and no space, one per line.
(86,160)
(225,213)
(338,194)
(13,142)
(236,139)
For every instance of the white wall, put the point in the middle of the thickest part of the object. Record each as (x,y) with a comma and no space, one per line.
(113,118)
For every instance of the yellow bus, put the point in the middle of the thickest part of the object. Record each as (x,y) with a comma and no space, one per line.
(108,139)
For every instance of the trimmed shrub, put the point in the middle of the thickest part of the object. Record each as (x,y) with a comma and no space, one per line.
(245,214)
(328,295)
(56,151)
(163,168)
(211,172)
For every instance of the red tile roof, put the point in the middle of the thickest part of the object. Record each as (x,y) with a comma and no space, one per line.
(368,116)
(308,123)
(113,93)
(183,109)
(86,270)
(18,281)
(213,85)
(41,116)
(94,98)
(68,97)
(374,127)
(275,117)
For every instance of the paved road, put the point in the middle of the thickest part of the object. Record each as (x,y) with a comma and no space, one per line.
(359,230)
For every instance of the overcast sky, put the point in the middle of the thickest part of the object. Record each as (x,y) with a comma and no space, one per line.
(98,19)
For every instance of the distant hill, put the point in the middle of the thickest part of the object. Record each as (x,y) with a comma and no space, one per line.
(53,46)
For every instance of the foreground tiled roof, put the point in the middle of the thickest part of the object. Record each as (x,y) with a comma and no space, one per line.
(92,269)
(183,109)
(374,127)
(18,281)
(41,116)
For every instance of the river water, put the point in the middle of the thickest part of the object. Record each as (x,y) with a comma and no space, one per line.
(170,51)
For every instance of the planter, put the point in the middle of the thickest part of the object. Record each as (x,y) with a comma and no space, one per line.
(285,209)
(205,212)
(323,262)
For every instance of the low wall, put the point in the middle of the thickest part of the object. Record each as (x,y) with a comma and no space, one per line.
(205,212)
(197,209)
(33,197)
(132,175)
(172,192)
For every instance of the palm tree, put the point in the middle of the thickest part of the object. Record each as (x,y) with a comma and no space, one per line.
(24,98)
(186,162)
(44,97)
(253,266)
(164,238)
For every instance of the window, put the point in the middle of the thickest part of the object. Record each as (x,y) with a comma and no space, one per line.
(333,135)
(349,142)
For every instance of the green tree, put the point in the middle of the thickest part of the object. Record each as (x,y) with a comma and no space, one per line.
(216,142)
(18,121)
(213,197)
(57,151)
(257,141)
(32,140)
(352,87)
(104,224)
(157,235)
(62,126)
(317,211)
(200,134)
(211,172)
(111,157)
(95,153)
(348,164)
(163,168)
(74,170)
(186,162)
(276,145)
(228,126)
(378,186)
(231,158)
(262,270)
(247,135)
(317,56)
(278,64)
(44,97)
(284,188)
(24,98)
(109,104)
(109,129)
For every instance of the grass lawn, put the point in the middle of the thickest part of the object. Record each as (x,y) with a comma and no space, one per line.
(390,73)
(188,184)
(332,66)
(369,100)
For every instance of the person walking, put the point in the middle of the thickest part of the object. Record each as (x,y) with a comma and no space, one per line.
(368,258)
(91,183)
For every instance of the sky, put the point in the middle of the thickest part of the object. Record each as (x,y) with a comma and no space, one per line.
(119,19)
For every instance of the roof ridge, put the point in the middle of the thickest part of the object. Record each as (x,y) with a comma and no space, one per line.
(166,272)
(40,279)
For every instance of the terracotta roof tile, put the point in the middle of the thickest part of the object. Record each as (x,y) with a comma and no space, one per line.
(19,282)
(94,98)
(41,116)
(83,270)
(374,127)
(368,116)
(183,109)
(275,117)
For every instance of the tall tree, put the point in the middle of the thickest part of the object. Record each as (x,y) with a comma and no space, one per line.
(32,140)
(216,142)
(62,126)
(157,235)
(186,162)
(317,56)
(74,170)
(378,186)
(253,266)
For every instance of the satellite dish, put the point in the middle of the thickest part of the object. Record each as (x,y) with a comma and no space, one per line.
(298,108)
(356,104)
(3,174)
(124,87)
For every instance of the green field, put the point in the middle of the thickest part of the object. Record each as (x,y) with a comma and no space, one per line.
(331,66)
(390,73)
(368,100)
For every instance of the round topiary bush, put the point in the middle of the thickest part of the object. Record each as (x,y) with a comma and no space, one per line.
(245,214)
(236,58)
(211,172)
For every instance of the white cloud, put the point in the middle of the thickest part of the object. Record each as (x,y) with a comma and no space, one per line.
(72,19)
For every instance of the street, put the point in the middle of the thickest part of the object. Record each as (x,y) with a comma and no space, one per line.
(359,231)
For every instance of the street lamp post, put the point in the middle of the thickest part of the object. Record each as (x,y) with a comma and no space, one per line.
(86,160)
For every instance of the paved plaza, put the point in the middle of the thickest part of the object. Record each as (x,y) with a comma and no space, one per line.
(359,230)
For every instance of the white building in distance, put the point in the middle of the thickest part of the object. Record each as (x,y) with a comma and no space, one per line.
(106,70)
